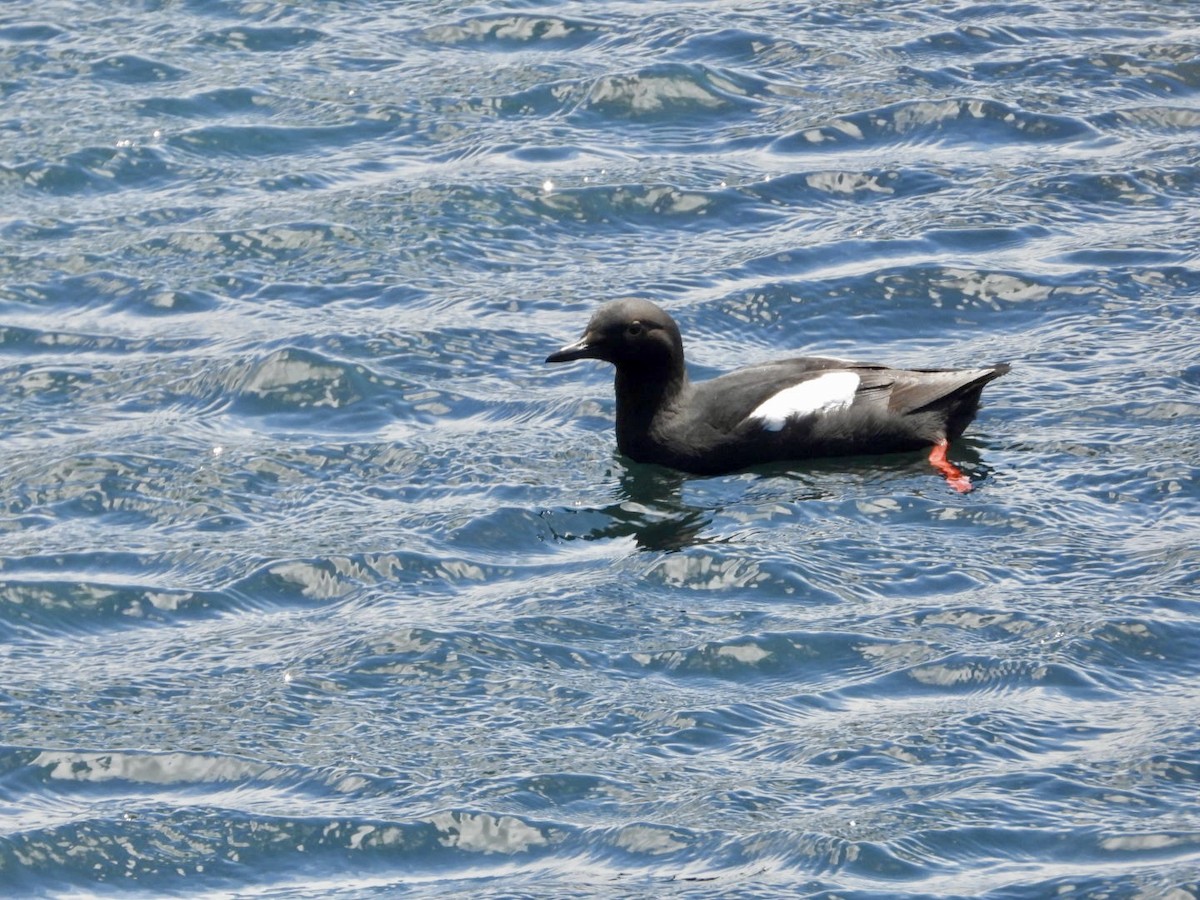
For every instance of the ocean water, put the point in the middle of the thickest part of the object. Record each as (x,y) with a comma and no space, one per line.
(316,582)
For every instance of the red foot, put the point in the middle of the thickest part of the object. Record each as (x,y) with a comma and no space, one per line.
(954,476)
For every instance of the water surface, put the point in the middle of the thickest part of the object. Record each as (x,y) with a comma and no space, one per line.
(317,583)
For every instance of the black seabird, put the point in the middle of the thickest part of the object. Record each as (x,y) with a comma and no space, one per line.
(792,409)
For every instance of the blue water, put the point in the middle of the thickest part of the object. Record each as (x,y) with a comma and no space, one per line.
(316,582)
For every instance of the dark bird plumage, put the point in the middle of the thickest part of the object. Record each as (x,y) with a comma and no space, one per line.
(791,409)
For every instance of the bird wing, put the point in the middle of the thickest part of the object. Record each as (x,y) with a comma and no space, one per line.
(915,390)
(776,394)
(730,400)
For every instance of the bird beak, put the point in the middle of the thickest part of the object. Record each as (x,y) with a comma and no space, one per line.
(584,348)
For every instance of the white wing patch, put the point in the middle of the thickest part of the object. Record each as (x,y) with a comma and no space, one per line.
(825,393)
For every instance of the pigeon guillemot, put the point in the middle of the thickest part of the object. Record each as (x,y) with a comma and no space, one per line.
(791,409)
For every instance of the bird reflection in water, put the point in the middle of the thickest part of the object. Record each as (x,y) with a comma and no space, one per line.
(648,507)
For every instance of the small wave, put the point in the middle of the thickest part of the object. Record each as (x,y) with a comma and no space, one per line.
(97,169)
(264,39)
(669,90)
(263,140)
(802,659)
(664,93)
(649,205)
(37,340)
(421,656)
(293,379)
(803,189)
(53,597)
(980,37)
(975,674)
(160,849)
(210,104)
(739,46)
(114,291)
(129,68)
(285,240)
(518,32)
(335,577)
(1154,119)
(967,121)
(1084,195)
(142,768)
(31,33)
(1126,75)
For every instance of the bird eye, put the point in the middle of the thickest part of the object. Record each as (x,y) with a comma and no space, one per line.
(633,329)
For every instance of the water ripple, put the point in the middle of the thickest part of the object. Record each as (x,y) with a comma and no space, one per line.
(315,581)
(971,120)
(517,31)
